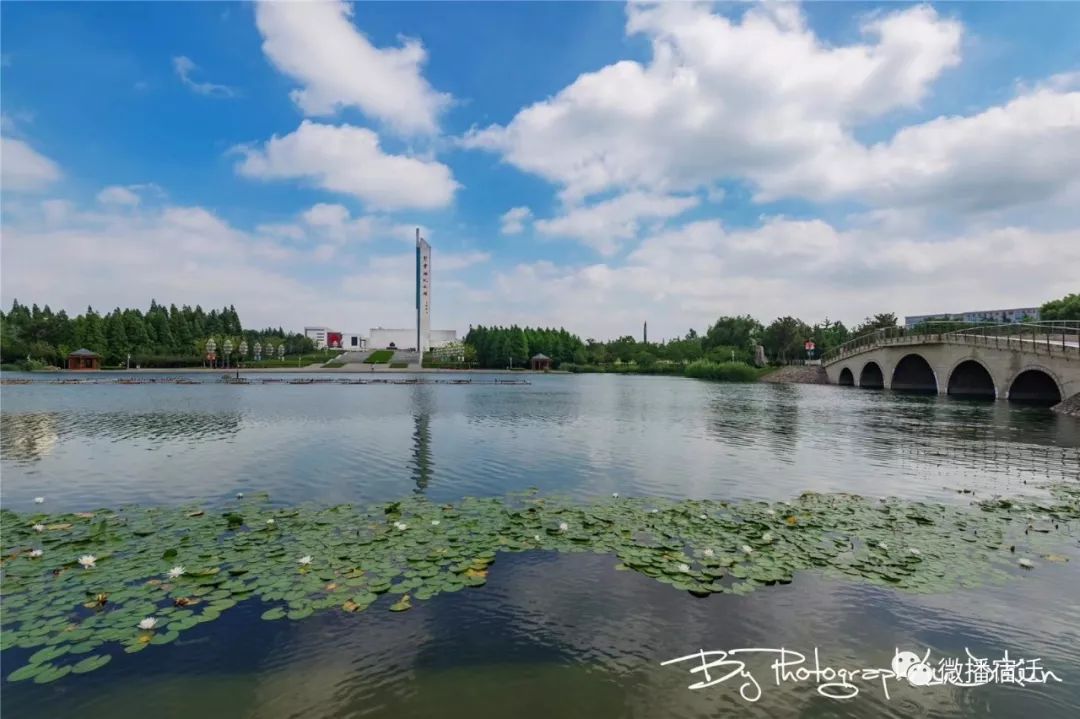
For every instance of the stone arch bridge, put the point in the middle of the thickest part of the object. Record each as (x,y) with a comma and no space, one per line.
(1036,362)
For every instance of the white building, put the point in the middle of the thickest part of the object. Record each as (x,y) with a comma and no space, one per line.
(317,335)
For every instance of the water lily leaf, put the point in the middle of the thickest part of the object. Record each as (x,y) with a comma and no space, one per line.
(28,671)
(50,673)
(91,663)
(275,613)
(402,604)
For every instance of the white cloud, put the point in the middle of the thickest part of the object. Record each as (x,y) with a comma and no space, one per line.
(450,261)
(317,45)
(116,195)
(349,160)
(23,168)
(124,258)
(604,225)
(1024,151)
(512,222)
(722,99)
(184,66)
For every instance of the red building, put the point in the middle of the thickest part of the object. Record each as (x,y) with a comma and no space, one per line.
(82,359)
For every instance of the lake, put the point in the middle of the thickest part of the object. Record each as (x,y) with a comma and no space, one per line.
(552,633)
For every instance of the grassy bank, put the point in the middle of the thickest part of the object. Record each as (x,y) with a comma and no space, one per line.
(379,357)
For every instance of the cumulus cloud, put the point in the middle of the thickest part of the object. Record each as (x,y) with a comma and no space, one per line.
(722,98)
(1024,151)
(317,45)
(184,67)
(512,222)
(118,196)
(349,160)
(604,225)
(23,168)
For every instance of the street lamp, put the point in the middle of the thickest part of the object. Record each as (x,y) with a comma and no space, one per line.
(281,351)
(258,350)
(211,345)
(227,349)
(243,349)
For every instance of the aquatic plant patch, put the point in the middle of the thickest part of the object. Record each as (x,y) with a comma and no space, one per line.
(79,587)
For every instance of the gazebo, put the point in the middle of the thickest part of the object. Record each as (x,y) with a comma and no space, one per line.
(540,362)
(82,359)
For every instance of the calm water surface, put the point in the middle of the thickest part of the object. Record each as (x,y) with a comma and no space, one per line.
(549,635)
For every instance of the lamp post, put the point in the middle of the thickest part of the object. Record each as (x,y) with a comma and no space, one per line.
(227,349)
(258,350)
(211,345)
(281,351)
(243,349)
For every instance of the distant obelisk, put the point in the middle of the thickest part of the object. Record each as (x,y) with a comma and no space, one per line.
(645,334)
(423,294)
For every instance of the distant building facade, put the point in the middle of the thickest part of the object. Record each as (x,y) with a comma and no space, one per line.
(1016,314)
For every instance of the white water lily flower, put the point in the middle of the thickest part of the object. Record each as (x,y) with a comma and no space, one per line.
(270,521)
(563,526)
(770,512)
(536,537)
(36,553)
(38,528)
(684,567)
(703,516)
(39,500)
(746,548)
(615,495)
(654,511)
(87,560)
(709,553)
(434,523)
(767,537)
(914,551)
(305,560)
(175,572)
(148,623)
(401,525)
(1026,563)
(882,545)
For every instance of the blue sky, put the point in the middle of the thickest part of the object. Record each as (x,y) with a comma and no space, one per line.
(667,163)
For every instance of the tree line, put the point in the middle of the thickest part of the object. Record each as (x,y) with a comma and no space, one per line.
(161,336)
(497,347)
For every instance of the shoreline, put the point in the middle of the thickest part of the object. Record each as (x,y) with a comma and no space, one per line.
(316,369)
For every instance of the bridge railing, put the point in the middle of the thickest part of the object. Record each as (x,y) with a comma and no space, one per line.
(894,335)
(1047,336)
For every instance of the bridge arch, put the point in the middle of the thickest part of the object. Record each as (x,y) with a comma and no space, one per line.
(846,379)
(971,378)
(914,374)
(1035,384)
(871,376)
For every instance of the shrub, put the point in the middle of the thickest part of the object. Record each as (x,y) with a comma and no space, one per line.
(721,371)
(399,365)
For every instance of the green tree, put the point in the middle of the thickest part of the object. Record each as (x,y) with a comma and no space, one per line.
(742,331)
(1066,308)
(783,339)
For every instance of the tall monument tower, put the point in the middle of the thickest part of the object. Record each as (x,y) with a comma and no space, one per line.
(423,294)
